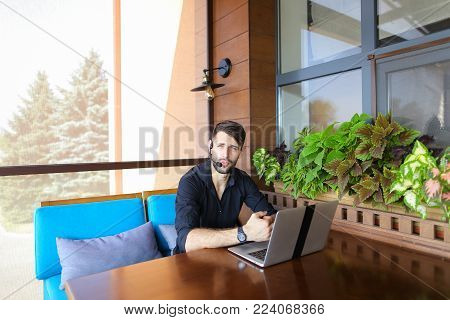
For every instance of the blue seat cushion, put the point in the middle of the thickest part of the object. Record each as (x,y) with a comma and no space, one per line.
(51,289)
(80,221)
(169,234)
(161,211)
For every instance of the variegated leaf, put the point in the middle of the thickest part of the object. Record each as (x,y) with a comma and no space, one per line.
(382,121)
(362,151)
(365,132)
(331,167)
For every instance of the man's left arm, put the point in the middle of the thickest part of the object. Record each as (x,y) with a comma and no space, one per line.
(254,199)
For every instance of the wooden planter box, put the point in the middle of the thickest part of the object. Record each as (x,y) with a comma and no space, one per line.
(434,214)
(394,226)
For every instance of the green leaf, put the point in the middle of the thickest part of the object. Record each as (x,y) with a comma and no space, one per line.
(364,117)
(419,148)
(310,176)
(309,150)
(410,199)
(319,158)
(332,142)
(335,155)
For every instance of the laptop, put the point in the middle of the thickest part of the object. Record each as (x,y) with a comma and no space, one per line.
(296,232)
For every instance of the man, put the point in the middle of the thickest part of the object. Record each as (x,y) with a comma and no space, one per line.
(211,194)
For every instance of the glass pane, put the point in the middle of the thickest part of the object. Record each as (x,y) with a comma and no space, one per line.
(319,102)
(55,77)
(17,276)
(163,55)
(400,20)
(420,98)
(317,31)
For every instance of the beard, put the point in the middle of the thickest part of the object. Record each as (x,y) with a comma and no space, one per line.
(222,170)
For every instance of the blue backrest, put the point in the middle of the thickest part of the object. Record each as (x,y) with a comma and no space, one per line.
(161,211)
(80,221)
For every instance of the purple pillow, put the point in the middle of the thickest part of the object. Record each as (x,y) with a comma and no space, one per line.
(83,257)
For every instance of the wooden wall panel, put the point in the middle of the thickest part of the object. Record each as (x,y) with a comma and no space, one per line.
(236,50)
(232,106)
(223,8)
(231,25)
(244,31)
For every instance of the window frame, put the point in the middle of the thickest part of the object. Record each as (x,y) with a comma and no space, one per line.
(366,60)
(408,60)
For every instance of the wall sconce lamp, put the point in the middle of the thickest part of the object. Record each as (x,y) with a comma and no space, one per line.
(207,85)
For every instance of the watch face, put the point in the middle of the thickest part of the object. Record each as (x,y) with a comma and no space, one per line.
(242,237)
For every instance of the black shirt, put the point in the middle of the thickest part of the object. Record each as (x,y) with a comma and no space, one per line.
(198,206)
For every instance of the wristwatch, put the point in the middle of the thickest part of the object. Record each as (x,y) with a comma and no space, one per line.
(242,237)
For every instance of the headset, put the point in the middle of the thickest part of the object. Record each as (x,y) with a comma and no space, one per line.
(218,163)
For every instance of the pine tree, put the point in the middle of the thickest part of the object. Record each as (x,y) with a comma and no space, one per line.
(27,142)
(82,129)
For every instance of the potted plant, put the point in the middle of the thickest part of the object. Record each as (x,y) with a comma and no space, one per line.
(358,163)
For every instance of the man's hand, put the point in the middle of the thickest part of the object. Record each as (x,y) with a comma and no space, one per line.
(259,227)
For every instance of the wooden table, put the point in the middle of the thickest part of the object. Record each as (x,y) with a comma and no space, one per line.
(349,268)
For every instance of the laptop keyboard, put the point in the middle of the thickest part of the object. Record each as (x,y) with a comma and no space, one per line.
(260,254)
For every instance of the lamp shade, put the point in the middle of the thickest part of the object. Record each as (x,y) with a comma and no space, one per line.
(203,86)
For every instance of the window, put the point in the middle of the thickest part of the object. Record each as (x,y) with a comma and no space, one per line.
(54,83)
(313,32)
(68,99)
(336,58)
(319,102)
(402,20)
(416,90)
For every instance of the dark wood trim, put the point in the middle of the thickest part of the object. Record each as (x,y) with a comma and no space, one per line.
(209,50)
(51,203)
(409,49)
(117,94)
(99,166)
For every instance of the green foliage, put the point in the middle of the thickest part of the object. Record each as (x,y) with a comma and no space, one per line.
(266,165)
(374,150)
(410,179)
(341,163)
(364,158)
(304,170)
(377,140)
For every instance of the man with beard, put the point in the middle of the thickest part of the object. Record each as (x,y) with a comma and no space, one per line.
(211,194)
